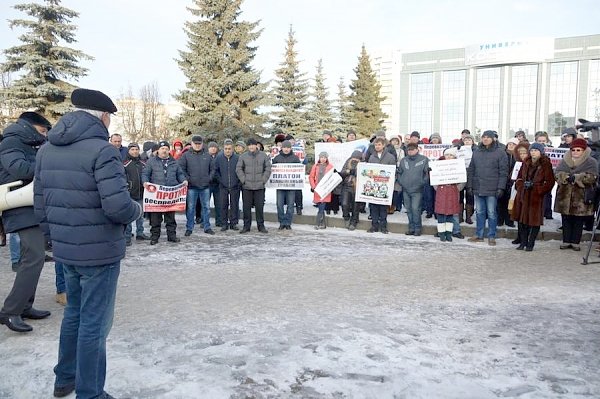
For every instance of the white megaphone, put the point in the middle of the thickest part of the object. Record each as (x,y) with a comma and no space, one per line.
(16,198)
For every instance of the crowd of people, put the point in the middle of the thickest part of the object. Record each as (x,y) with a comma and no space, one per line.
(89,189)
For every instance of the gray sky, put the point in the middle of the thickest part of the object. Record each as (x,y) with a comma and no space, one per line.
(135,42)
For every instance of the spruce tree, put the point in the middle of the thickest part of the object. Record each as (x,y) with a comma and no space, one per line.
(290,92)
(319,115)
(223,91)
(365,100)
(43,64)
(343,119)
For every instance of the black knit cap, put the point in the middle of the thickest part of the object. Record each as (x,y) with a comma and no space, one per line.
(36,119)
(163,143)
(92,99)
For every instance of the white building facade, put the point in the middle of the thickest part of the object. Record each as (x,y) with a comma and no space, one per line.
(530,85)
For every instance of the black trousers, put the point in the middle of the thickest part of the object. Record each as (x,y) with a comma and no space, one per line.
(572,228)
(22,295)
(378,216)
(334,204)
(298,199)
(156,219)
(229,201)
(254,198)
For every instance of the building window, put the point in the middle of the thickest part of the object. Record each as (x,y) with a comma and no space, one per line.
(421,102)
(453,104)
(593,111)
(562,96)
(487,108)
(523,99)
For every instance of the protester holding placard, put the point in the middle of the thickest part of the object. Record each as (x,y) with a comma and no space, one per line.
(542,138)
(350,208)
(379,212)
(521,153)
(446,202)
(163,170)
(467,201)
(317,172)
(285,197)
(413,174)
(534,181)
(503,211)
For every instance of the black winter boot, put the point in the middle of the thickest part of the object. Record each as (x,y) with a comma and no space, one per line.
(533,232)
(523,234)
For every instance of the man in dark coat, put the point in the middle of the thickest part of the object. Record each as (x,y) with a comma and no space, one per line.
(163,170)
(486,179)
(17,163)
(229,186)
(117,140)
(80,190)
(134,167)
(379,212)
(253,169)
(285,197)
(198,166)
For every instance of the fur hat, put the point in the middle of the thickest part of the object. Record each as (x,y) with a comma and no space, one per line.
(579,143)
(522,144)
(279,138)
(36,119)
(286,144)
(357,154)
(435,136)
(213,144)
(415,134)
(537,146)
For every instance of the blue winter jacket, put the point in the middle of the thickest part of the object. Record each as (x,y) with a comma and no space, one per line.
(80,190)
(156,173)
(225,171)
(17,162)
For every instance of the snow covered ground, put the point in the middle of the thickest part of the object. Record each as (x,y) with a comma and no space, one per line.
(332,314)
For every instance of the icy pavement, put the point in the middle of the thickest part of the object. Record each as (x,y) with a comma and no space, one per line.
(333,314)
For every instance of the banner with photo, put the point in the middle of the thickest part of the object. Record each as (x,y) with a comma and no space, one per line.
(340,152)
(375,183)
(328,183)
(555,154)
(451,171)
(433,151)
(159,198)
(287,176)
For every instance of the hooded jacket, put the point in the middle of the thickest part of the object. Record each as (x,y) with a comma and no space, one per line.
(80,190)
(488,170)
(413,173)
(17,162)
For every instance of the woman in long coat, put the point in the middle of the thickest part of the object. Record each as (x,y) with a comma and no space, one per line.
(577,172)
(446,202)
(317,172)
(534,181)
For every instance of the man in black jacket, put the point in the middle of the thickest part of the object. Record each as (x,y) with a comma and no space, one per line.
(284,196)
(198,166)
(133,169)
(229,186)
(17,162)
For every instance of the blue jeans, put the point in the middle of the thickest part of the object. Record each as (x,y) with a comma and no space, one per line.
(139,225)
(486,207)
(14,243)
(61,285)
(285,197)
(190,211)
(87,320)
(456,224)
(413,206)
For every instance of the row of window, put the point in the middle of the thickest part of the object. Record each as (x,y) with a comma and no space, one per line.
(562,98)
